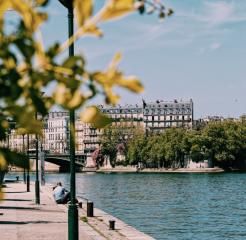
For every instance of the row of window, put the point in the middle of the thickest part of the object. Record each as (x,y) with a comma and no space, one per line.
(58,136)
(117,111)
(57,129)
(168,118)
(166,124)
(167,111)
(126,116)
(58,123)
(58,114)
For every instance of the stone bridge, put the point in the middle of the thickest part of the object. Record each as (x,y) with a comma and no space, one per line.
(63,161)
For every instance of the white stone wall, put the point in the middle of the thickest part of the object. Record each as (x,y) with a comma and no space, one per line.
(203,164)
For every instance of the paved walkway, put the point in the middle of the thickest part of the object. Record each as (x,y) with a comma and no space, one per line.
(21,218)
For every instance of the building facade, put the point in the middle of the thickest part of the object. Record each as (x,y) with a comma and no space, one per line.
(80,128)
(56,132)
(159,115)
(150,116)
(131,115)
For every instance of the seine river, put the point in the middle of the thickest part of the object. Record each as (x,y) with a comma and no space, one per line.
(170,206)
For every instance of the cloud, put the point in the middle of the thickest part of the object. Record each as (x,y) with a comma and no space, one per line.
(212,47)
(215,46)
(218,12)
(215,13)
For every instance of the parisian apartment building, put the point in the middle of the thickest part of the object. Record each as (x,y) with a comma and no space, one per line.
(150,116)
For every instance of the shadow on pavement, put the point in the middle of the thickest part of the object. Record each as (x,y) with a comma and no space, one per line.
(27,222)
(17,200)
(16,192)
(19,208)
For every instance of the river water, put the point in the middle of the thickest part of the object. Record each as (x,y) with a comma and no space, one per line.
(170,206)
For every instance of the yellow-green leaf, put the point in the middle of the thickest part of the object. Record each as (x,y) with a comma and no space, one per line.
(113,77)
(3,163)
(116,9)
(41,2)
(30,124)
(94,116)
(31,19)
(131,83)
(111,98)
(21,131)
(76,101)
(66,98)
(100,77)
(4,5)
(83,10)
(91,29)
(115,61)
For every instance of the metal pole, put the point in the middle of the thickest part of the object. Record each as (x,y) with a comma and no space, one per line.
(73,231)
(37,190)
(23,149)
(28,175)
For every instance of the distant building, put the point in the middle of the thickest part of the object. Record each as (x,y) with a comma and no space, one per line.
(160,115)
(56,132)
(150,116)
(79,135)
(213,119)
(91,138)
(19,143)
(153,116)
(126,115)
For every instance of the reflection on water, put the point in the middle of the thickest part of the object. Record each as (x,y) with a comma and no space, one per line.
(170,206)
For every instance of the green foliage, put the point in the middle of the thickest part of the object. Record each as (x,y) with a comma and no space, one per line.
(114,137)
(137,147)
(224,143)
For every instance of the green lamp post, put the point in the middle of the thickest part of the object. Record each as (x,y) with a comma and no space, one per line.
(28,174)
(73,230)
(37,186)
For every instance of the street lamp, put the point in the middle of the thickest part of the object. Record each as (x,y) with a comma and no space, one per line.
(37,187)
(28,174)
(23,150)
(73,230)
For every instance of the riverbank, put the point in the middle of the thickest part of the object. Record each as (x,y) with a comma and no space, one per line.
(21,218)
(52,168)
(49,167)
(121,169)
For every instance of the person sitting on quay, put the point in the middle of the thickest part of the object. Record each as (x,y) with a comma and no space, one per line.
(61,195)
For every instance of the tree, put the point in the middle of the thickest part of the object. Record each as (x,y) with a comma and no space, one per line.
(173,146)
(111,138)
(226,143)
(156,156)
(136,147)
(116,139)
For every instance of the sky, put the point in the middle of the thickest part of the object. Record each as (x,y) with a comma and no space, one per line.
(198,53)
